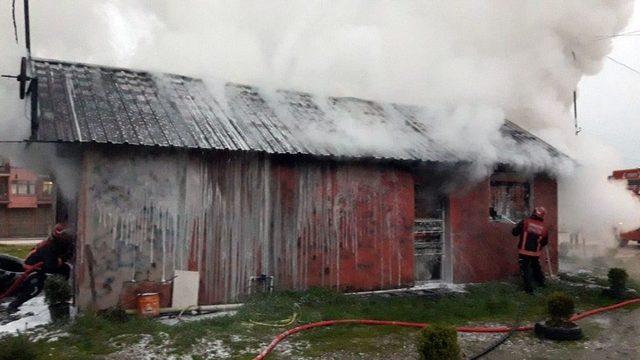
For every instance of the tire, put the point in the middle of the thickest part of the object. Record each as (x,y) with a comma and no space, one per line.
(623,243)
(11,263)
(558,333)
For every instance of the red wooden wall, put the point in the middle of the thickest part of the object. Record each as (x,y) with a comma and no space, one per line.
(343,226)
(233,216)
(485,250)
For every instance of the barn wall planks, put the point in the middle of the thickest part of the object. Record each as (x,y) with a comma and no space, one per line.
(485,250)
(233,216)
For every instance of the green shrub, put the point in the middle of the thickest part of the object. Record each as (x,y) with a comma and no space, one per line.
(17,348)
(617,280)
(560,307)
(115,314)
(56,290)
(438,342)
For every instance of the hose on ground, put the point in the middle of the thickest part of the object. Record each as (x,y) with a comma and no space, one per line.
(521,309)
(464,329)
(279,323)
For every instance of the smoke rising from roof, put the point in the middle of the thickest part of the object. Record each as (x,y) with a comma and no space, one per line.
(476,63)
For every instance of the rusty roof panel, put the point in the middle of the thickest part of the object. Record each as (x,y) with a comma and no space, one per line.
(90,103)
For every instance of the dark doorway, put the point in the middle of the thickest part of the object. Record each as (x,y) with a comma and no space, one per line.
(429,233)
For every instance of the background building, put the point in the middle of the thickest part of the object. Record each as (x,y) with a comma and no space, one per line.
(26,202)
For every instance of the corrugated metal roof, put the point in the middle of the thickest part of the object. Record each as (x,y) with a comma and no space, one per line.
(89,103)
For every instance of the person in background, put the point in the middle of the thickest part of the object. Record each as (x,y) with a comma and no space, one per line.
(533,235)
(49,257)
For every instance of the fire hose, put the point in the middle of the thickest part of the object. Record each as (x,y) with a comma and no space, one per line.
(28,269)
(521,310)
(462,329)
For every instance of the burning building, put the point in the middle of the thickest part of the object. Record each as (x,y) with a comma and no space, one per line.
(236,183)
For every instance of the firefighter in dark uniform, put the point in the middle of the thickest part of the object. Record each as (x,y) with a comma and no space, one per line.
(533,235)
(51,257)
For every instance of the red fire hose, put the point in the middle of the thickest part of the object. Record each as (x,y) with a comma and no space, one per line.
(28,269)
(463,329)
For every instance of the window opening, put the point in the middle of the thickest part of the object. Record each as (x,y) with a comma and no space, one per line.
(509,200)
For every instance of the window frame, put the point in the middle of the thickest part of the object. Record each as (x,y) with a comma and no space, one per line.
(23,188)
(510,177)
(47,187)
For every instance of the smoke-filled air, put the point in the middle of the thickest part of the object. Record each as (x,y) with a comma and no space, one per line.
(473,63)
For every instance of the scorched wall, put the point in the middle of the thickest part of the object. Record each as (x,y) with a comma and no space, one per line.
(233,216)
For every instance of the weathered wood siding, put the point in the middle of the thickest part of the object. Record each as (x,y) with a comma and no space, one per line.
(231,216)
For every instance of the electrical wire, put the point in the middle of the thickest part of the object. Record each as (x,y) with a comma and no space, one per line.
(623,65)
(628,33)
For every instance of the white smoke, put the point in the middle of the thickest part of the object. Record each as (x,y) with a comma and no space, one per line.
(473,62)
(597,208)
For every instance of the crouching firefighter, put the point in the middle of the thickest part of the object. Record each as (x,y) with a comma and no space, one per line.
(533,236)
(48,257)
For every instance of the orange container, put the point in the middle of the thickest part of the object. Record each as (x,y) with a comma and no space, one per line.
(149,304)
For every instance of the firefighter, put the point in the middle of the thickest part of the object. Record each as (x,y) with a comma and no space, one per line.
(533,236)
(48,257)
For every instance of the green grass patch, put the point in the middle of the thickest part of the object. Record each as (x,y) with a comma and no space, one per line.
(17,348)
(20,251)
(92,335)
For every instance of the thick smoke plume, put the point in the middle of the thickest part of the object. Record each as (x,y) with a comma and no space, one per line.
(476,63)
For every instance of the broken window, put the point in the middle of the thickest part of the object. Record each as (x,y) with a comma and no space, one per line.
(509,199)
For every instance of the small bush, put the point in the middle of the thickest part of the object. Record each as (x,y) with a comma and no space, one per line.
(438,342)
(56,290)
(17,348)
(617,280)
(560,307)
(115,314)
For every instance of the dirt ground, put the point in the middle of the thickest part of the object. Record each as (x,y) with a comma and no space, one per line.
(607,336)
(612,335)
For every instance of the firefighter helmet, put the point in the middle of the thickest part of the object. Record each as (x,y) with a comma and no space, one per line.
(540,212)
(58,229)
(62,233)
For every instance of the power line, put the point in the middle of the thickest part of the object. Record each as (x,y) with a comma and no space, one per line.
(628,33)
(624,65)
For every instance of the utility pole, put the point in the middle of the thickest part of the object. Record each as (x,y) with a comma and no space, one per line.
(27,29)
(575,103)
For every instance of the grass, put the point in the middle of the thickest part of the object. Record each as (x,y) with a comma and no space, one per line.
(90,334)
(17,348)
(19,251)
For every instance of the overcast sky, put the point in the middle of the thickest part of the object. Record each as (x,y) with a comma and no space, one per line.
(608,103)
